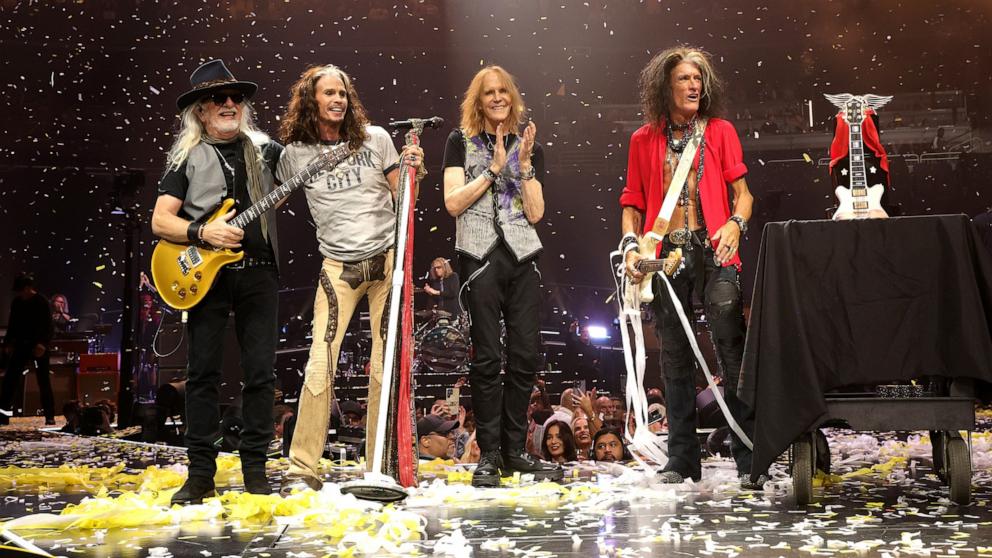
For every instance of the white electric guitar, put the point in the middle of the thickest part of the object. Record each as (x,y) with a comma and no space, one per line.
(859,200)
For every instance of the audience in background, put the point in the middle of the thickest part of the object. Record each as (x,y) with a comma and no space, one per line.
(557,444)
(608,446)
(582,436)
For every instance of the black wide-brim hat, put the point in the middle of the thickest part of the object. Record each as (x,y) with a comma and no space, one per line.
(211,77)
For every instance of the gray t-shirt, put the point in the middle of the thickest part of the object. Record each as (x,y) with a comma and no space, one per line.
(351,205)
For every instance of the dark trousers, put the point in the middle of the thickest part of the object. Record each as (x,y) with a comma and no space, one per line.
(722,301)
(499,287)
(13,380)
(253,294)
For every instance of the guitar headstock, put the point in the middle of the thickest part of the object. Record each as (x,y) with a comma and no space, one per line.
(330,157)
(854,108)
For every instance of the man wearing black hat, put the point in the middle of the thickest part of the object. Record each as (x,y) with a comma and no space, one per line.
(28,334)
(436,437)
(219,153)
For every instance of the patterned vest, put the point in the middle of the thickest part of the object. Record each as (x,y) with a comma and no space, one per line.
(499,212)
(207,187)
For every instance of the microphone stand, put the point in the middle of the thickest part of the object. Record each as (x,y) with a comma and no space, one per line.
(378,484)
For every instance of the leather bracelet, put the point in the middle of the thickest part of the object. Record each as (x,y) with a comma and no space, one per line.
(741,223)
(627,240)
(529,175)
(489,175)
(193,231)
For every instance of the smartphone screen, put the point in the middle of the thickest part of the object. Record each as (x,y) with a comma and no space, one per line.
(451,397)
(580,387)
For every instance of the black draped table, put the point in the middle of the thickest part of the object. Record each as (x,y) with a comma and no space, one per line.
(860,302)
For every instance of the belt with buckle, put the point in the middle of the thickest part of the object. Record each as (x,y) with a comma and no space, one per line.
(685,237)
(246,263)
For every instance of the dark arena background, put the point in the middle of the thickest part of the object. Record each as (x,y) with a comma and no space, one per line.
(88,112)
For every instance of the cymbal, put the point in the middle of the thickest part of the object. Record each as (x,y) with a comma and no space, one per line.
(432,313)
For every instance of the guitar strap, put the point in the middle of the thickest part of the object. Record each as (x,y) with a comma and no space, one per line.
(678,180)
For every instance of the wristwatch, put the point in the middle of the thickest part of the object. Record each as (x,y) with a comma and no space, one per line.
(740,222)
(528,175)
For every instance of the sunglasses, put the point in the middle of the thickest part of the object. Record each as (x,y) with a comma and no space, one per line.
(220,98)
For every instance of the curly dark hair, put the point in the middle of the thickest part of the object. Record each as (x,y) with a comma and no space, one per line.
(300,123)
(656,85)
(565,433)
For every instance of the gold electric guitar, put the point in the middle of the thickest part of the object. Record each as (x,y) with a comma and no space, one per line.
(183,273)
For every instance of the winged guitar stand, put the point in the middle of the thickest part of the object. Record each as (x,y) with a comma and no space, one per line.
(184,273)
(859,200)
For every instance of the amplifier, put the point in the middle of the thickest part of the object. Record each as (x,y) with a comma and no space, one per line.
(99,362)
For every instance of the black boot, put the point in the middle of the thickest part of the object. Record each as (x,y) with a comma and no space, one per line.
(257,483)
(194,490)
(526,464)
(487,471)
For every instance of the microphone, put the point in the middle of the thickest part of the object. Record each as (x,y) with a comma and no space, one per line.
(432,122)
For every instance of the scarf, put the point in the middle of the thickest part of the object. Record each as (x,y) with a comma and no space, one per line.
(253,168)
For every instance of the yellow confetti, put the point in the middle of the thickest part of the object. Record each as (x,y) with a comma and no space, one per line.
(807,158)
(101,267)
(98,284)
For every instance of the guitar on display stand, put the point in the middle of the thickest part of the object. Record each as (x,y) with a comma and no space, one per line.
(184,273)
(859,200)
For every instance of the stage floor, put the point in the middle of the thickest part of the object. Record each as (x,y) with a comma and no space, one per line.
(897,507)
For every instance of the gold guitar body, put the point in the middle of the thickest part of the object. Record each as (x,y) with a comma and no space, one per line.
(184,273)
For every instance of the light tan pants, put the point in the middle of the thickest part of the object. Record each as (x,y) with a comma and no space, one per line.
(342,286)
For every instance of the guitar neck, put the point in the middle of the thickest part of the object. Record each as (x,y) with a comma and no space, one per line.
(286,188)
(856,156)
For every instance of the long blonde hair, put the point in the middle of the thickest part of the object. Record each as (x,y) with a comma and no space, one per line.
(445,264)
(473,119)
(191,131)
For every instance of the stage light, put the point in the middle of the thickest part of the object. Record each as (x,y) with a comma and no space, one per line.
(597,332)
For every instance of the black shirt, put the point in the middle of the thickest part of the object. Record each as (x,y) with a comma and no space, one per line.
(454,151)
(175,184)
(448,299)
(30,321)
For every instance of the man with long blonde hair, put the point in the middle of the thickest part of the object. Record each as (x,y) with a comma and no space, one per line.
(218,154)
(442,287)
(493,187)
(353,207)
(682,98)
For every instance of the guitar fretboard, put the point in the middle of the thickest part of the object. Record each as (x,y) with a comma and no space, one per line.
(856,157)
(323,162)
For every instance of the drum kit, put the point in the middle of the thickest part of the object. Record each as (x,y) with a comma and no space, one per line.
(442,341)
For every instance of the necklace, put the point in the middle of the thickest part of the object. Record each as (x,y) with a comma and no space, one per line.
(675,149)
(489,142)
(678,145)
(223,160)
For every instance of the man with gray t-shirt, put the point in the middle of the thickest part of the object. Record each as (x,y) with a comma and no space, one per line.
(353,208)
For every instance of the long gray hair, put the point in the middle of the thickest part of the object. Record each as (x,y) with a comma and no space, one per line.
(191,132)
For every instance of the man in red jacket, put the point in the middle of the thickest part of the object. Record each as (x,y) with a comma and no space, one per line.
(681,96)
